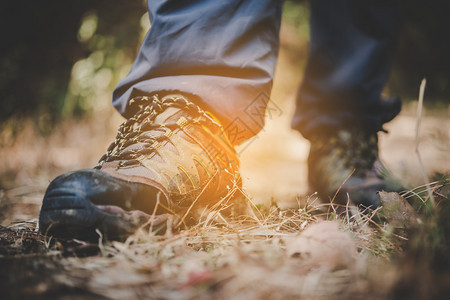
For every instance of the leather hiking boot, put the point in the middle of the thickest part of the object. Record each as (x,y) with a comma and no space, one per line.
(346,166)
(170,157)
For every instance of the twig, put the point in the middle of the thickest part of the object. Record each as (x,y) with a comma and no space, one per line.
(154,212)
(419,118)
(340,187)
(9,229)
(195,201)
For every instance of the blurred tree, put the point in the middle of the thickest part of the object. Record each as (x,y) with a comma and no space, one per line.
(41,41)
(423,51)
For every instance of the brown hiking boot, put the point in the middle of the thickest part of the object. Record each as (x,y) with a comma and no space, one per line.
(170,157)
(346,167)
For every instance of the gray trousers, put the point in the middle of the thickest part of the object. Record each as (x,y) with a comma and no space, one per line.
(223,54)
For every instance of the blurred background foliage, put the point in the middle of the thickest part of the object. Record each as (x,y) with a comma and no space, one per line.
(62,59)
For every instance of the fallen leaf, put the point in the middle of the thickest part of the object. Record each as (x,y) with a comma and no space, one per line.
(398,212)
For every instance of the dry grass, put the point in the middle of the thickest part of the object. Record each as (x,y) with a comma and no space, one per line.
(264,255)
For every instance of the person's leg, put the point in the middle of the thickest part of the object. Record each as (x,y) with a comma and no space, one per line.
(223,52)
(201,70)
(351,53)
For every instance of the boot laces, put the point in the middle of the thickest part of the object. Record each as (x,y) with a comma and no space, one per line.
(141,128)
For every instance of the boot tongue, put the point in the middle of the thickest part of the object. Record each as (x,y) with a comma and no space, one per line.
(170,115)
(167,118)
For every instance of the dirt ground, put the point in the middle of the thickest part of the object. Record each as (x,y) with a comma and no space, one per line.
(256,259)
